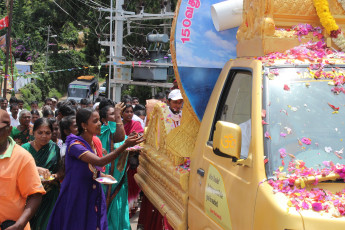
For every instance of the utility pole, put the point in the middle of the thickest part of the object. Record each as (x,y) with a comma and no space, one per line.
(8,47)
(47,47)
(111,48)
(118,47)
(115,54)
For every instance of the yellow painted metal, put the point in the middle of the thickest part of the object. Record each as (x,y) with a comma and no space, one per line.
(272,211)
(183,197)
(251,202)
(163,183)
(260,32)
(227,139)
(241,182)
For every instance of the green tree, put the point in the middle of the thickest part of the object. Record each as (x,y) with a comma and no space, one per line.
(70,34)
(30,93)
(141,92)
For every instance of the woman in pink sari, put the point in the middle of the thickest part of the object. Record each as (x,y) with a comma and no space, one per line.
(130,125)
(133,188)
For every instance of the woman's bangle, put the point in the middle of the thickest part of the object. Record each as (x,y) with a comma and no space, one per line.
(119,123)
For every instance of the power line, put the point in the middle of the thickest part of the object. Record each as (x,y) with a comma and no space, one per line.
(78,7)
(70,15)
(93,7)
(83,12)
(66,52)
(99,4)
(65,11)
(96,3)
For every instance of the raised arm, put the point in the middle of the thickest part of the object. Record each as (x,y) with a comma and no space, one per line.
(119,134)
(91,158)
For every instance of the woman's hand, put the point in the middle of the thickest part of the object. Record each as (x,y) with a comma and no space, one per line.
(132,134)
(44,172)
(107,175)
(119,107)
(133,140)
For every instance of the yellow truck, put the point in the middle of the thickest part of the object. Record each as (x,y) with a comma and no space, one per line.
(268,153)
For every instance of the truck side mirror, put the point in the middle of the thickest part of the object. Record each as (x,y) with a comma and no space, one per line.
(227,140)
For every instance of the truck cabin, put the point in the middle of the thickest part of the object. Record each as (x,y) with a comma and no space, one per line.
(83,87)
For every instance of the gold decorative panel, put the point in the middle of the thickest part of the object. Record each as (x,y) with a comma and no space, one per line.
(257,35)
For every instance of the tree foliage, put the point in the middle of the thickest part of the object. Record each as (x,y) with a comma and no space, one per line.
(31,19)
(30,93)
(69,34)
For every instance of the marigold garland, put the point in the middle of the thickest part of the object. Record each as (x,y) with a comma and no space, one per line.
(326,18)
(328,22)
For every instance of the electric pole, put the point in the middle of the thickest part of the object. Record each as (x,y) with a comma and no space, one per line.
(115,54)
(47,48)
(8,47)
(111,51)
(118,47)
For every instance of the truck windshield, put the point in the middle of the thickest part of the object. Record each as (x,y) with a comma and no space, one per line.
(77,91)
(304,116)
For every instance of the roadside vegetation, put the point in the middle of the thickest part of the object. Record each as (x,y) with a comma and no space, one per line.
(61,39)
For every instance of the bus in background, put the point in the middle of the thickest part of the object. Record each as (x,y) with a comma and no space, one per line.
(83,87)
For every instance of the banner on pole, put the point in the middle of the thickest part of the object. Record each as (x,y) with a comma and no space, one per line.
(4,22)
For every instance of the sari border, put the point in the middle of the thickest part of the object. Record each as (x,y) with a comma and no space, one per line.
(83,154)
(75,143)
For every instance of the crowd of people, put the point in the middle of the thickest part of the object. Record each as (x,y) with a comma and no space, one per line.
(50,158)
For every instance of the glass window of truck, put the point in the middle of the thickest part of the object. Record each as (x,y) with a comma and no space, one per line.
(79,91)
(235,105)
(303,116)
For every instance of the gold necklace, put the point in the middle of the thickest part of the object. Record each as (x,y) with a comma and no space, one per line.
(35,146)
(93,146)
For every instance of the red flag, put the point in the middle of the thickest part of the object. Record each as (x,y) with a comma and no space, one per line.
(4,22)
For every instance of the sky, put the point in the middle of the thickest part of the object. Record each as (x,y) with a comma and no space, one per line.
(201,59)
(206,47)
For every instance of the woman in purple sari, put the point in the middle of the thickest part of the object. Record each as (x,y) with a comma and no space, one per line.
(81,202)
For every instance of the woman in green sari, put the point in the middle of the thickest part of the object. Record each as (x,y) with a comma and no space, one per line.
(47,155)
(112,131)
(23,132)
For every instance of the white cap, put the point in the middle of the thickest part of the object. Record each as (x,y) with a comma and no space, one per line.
(53,99)
(175,95)
(95,105)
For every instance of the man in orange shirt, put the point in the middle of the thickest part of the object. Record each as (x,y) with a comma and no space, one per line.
(21,189)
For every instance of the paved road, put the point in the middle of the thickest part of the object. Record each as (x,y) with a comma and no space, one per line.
(134,220)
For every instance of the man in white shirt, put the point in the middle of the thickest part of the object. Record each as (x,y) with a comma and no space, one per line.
(139,115)
(175,103)
(13,100)
(135,101)
(54,103)
(14,109)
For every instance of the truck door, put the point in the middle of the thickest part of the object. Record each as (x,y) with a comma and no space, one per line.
(222,192)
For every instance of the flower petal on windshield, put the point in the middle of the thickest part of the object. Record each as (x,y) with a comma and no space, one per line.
(328,149)
(267,135)
(282,152)
(283,134)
